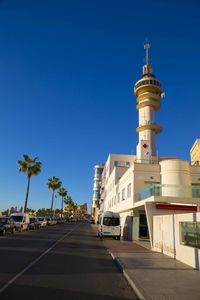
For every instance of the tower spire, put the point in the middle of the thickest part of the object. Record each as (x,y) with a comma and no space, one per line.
(146,47)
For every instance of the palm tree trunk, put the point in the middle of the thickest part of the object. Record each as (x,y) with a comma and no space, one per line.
(52,200)
(62,207)
(27,192)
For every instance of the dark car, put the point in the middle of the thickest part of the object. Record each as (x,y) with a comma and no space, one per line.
(7,225)
(34,223)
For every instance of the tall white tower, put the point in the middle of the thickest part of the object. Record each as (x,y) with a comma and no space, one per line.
(148,91)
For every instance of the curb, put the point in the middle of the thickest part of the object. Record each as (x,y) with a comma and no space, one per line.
(128,278)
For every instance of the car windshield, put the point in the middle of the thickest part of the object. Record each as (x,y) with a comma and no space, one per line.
(32,220)
(41,219)
(108,221)
(3,220)
(17,218)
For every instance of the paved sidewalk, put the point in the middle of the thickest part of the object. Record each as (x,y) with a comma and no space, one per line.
(152,275)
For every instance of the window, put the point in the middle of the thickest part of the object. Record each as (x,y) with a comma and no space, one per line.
(118,197)
(123,194)
(190,234)
(107,221)
(129,190)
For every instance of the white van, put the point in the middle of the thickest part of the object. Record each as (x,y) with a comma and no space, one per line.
(21,220)
(109,225)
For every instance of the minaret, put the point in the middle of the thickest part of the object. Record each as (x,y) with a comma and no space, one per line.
(148,91)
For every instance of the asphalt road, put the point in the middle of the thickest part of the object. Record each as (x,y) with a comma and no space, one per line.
(59,262)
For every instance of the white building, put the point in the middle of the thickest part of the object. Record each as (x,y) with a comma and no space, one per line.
(98,169)
(146,189)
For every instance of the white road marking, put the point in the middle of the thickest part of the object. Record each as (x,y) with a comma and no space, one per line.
(5,286)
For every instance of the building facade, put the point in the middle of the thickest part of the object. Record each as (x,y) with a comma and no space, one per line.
(195,153)
(98,169)
(144,187)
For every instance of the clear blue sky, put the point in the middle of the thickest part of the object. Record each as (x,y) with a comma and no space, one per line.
(67,70)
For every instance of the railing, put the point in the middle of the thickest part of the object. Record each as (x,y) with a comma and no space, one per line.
(150,160)
(168,190)
(153,82)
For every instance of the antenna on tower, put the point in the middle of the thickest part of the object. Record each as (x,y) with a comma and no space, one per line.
(146,47)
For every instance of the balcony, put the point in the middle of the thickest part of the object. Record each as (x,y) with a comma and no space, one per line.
(148,82)
(168,190)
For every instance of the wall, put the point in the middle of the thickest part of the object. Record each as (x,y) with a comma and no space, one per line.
(145,173)
(167,239)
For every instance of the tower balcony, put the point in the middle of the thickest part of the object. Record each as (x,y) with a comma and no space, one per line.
(147,84)
(154,127)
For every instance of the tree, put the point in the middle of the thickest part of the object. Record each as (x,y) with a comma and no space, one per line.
(31,167)
(42,212)
(63,193)
(53,184)
(71,206)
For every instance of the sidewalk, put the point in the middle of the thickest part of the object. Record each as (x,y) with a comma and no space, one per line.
(152,275)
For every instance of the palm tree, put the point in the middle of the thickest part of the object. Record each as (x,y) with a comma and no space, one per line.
(63,193)
(31,167)
(53,184)
(70,204)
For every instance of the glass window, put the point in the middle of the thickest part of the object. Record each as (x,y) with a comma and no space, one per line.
(118,197)
(129,190)
(123,194)
(108,221)
(17,218)
(190,234)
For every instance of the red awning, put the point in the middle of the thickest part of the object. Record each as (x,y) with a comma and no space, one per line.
(176,207)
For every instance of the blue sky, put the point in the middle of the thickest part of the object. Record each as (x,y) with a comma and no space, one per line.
(67,71)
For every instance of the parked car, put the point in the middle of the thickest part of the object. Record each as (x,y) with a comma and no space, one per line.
(21,221)
(54,221)
(60,220)
(49,221)
(6,225)
(34,223)
(109,225)
(43,221)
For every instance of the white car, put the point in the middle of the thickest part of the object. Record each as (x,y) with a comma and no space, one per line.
(42,221)
(21,220)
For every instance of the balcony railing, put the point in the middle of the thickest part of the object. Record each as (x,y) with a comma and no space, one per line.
(168,190)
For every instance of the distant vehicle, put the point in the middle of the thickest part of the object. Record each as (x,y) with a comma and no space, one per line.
(42,221)
(34,223)
(109,225)
(21,221)
(49,221)
(60,220)
(54,221)
(7,225)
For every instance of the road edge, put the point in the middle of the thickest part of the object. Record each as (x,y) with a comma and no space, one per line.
(127,277)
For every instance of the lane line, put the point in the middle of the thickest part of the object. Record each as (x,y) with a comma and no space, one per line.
(5,286)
